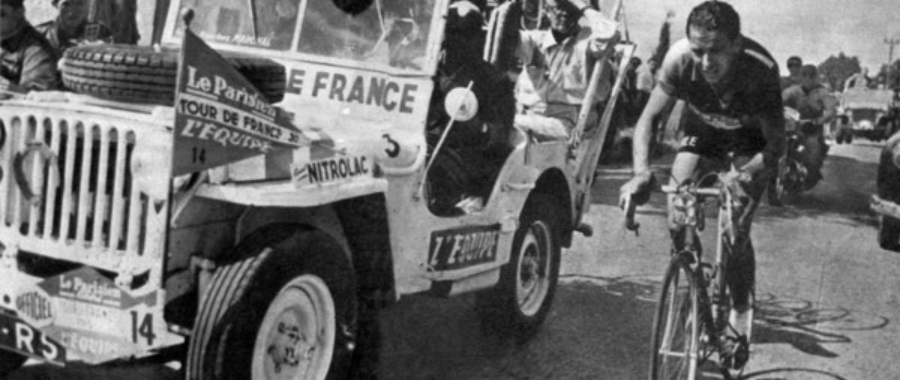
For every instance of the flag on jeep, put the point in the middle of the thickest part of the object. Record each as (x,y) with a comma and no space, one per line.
(220,117)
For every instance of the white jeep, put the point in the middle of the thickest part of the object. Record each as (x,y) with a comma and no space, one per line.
(264,265)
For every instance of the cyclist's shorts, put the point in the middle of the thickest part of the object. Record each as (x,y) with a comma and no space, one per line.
(715,143)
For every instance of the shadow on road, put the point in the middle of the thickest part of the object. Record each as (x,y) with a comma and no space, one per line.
(808,328)
(845,194)
(596,326)
(150,368)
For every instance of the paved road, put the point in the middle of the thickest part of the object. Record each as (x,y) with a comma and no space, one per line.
(828,304)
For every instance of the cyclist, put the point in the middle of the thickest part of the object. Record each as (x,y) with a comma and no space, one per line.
(815,103)
(731,89)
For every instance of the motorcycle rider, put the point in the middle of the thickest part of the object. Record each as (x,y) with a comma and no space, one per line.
(816,104)
(793,65)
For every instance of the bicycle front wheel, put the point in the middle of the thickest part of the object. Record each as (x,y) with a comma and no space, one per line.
(675,343)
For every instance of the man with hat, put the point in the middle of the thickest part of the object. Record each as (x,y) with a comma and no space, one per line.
(27,61)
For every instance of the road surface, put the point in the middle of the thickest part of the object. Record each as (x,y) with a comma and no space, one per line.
(828,304)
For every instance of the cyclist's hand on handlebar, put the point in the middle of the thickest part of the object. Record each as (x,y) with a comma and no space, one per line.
(637,189)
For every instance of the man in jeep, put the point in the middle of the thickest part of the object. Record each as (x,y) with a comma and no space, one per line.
(69,25)
(476,147)
(558,64)
(27,61)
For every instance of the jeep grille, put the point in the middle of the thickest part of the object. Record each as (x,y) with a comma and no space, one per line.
(66,189)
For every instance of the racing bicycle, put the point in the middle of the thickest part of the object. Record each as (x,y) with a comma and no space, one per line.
(691,323)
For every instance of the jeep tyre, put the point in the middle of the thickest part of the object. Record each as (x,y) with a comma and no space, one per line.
(519,303)
(142,75)
(281,313)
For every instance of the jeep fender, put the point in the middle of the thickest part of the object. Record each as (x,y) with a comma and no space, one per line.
(554,183)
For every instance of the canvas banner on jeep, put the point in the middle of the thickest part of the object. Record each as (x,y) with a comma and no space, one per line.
(220,117)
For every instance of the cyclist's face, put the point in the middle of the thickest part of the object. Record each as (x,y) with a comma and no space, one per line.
(713,52)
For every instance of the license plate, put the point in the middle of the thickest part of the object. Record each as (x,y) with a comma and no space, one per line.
(18,336)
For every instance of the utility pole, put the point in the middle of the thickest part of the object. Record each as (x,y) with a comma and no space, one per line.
(891,42)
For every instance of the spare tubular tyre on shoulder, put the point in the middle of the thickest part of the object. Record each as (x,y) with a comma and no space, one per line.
(143,75)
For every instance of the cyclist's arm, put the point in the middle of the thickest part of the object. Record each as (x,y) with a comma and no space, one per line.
(773,131)
(659,101)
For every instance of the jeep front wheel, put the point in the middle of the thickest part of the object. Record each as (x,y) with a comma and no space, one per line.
(520,302)
(280,314)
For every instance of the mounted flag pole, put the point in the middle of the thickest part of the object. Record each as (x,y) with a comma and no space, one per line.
(220,117)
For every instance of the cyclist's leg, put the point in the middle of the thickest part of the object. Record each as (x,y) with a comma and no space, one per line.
(742,262)
(741,270)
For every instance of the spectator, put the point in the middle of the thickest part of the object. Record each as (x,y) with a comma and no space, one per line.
(27,61)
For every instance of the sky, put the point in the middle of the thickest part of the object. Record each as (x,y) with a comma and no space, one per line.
(811,29)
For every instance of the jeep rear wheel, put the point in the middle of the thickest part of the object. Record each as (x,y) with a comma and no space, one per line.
(144,75)
(278,315)
(520,302)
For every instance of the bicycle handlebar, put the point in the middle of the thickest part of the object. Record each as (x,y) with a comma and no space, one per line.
(630,206)
(711,191)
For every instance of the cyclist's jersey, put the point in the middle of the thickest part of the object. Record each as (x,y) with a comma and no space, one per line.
(755,89)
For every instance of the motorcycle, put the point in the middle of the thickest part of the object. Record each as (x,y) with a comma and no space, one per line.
(793,177)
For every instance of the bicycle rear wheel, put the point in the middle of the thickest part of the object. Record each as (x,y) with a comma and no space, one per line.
(675,343)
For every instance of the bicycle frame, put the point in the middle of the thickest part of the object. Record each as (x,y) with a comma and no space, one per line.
(690,198)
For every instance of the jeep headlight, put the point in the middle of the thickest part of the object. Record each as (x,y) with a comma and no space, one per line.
(151,170)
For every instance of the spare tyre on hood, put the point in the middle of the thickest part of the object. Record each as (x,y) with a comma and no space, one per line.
(143,74)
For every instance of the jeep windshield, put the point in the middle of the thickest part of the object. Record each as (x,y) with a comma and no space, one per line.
(385,35)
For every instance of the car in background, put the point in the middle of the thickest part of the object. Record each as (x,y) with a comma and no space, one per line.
(872,112)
